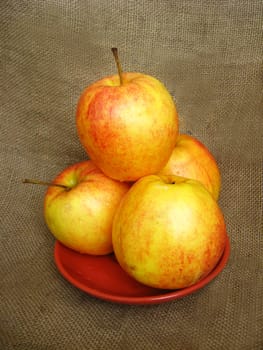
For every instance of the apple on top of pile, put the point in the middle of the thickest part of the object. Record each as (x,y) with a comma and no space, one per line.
(146,193)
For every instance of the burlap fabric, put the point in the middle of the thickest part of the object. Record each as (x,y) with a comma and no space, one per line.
(209,55)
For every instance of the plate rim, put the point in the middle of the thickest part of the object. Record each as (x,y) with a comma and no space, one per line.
(144,300)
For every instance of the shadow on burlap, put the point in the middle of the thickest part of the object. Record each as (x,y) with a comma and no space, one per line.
(209,55)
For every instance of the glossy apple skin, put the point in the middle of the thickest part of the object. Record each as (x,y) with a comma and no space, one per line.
(81,218)
(129,131)
(190,158)
(168,235)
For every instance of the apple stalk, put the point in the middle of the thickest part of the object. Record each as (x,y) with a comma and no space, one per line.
(44,183)
(118,63)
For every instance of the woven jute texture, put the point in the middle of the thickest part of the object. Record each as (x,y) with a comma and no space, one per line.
(209,56)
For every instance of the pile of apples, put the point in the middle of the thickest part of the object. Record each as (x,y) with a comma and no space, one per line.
(146,192)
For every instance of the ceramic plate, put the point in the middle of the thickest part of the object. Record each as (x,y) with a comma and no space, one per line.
(102,277)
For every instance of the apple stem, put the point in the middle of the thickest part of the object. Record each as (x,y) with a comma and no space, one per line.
(118,63)
(38,182)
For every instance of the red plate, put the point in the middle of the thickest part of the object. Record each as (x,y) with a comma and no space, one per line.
(102,277)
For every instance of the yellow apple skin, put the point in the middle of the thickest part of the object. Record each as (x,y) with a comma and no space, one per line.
(168,232)
(81,217)
(128,130)
(191,159)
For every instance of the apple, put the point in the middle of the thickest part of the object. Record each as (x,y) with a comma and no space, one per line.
(79,208)
(190,158)
(128,124)
(168,232)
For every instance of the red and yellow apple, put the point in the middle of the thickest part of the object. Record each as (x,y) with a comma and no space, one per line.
(190,158)
(128,125)
(168,232)
(80,214)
